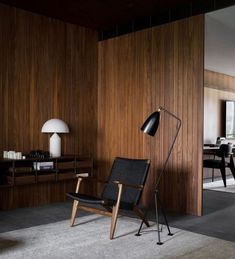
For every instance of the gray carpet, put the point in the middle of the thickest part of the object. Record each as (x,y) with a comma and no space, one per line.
(217,220)
(34,216)
(43,232)
(219,186)
(89,239)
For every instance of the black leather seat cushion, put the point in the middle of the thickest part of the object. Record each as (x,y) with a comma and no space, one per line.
(85,198)
(211,163)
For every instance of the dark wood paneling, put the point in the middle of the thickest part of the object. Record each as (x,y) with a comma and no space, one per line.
(35,194)
(139,72)
(218,88)
(48,69)
(214,113)
(219,81)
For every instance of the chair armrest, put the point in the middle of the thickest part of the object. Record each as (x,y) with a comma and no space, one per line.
(89,178)
(135,186)
(93,179)
(82,178)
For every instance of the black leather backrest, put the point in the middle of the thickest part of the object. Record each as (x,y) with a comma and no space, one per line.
(131,171)
(226,149)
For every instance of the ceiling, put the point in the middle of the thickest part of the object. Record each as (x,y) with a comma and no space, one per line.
(97,14)
(220,41)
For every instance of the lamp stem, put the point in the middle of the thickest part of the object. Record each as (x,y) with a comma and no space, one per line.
(172,145)
(55,145)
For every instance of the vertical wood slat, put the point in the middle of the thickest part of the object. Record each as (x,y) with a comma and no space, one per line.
(214,113)
(138,72)
(218,88)
(35,194)
(48,69)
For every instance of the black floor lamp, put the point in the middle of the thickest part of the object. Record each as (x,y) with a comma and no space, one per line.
(150,127)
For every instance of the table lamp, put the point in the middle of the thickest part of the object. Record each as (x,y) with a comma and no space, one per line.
(55,126)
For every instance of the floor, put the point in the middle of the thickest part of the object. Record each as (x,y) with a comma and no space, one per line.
(29,217)
(219,185)
(218,212)
(89,239)
(218,220)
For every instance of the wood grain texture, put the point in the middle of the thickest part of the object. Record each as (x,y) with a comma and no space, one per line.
(48,69)
(218,88)
(137,73)
(219,81)
(35,194)
(214,113)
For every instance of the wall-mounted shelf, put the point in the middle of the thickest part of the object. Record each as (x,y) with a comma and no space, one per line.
(28,171)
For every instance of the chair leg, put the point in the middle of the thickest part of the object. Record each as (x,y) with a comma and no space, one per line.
(231,166)
(115,212)
(213,172)
(75,204)
(223,173)
(74,212)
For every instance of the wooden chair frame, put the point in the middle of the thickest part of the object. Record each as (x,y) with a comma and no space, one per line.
(113,213)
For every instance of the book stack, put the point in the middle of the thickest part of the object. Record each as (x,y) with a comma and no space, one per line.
(43,165)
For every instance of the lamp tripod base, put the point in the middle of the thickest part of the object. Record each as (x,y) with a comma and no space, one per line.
(157,200)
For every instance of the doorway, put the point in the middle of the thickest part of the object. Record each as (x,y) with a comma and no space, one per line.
(219,90)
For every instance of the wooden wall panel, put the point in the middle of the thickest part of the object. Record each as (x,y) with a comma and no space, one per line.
(219,81)
(139,72)
(218,88)
(48,69)
(214,113)
(34,194)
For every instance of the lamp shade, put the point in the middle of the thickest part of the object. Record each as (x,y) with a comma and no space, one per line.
(150,126)
(55,125)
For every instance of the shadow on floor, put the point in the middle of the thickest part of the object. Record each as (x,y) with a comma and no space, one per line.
(28,217)
(217,221)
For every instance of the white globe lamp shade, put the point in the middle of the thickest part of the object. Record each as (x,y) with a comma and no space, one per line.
(55,126)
